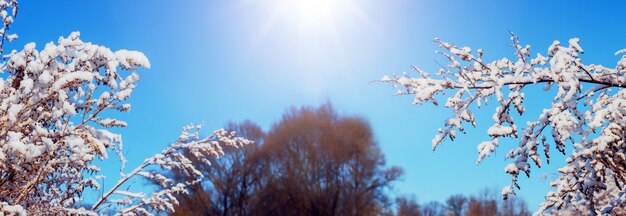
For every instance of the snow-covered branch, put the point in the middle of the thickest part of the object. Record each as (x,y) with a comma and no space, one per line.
(590,120)
(50,106)
(178,156)
(52,127)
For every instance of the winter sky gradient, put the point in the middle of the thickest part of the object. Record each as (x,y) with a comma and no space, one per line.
(222,60)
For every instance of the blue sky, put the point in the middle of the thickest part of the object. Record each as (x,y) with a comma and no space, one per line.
(222,60)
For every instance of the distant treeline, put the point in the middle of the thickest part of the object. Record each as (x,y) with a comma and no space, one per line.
(486,203)
(315,162)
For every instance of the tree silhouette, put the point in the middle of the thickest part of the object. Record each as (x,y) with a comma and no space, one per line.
(312,162)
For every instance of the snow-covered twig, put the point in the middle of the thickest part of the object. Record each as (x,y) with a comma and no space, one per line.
(592,121)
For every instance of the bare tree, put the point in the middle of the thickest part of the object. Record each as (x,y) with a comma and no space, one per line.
(312,162)
(456,204)
(408,206)
(513,206)
(433,208)
(484,204)
(324,164)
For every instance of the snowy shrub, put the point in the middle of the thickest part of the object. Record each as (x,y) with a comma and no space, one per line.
(52,129)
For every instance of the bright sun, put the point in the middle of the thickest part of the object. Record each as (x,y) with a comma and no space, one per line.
(314,13)
(312,32)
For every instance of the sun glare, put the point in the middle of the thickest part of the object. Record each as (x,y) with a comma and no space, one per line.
(312,31)
(314,13)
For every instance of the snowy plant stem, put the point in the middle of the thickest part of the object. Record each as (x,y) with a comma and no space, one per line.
(147,163)
(119,183)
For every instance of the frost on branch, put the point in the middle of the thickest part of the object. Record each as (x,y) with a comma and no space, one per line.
(52,102)
(587,112)
(8,10)
(177,157)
